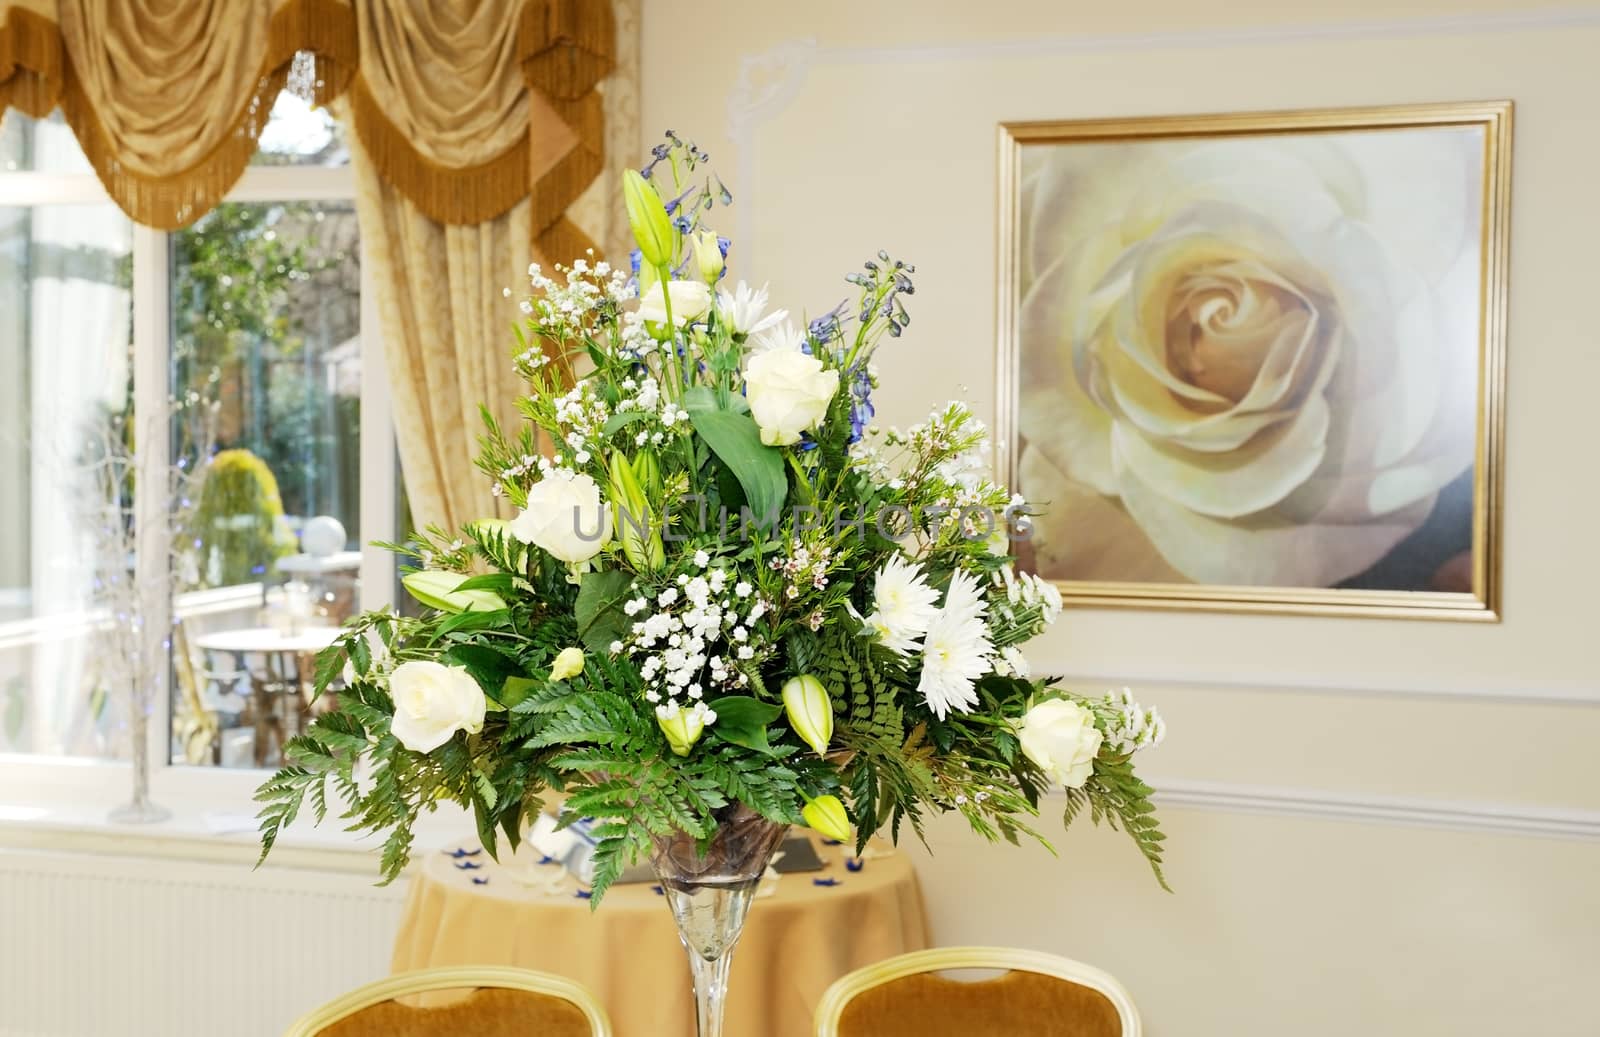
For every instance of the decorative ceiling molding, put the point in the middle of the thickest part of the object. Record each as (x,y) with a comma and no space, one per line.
(768,82)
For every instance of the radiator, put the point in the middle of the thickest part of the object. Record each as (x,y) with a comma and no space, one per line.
(106,946)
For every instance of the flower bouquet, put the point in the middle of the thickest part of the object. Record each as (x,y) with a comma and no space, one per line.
(728,602)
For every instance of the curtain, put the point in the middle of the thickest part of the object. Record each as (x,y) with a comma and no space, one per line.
(167,98)
(445,325)
(464,177)
(480,140)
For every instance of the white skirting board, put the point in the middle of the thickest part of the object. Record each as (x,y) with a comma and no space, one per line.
(106,946)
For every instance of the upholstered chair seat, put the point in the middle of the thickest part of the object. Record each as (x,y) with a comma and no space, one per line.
(1036,995)
(497,1002)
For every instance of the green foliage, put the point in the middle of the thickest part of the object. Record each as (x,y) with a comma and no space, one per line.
(239,521)
(705,619)
(736,441)
(599,608)
(1116,796)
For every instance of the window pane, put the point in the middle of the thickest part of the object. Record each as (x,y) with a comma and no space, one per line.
(297,134)
(65,324)
(265,321)
(40,145)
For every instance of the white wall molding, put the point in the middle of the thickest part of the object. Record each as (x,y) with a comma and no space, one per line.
(1576,694)
(768,82)
(1408,812)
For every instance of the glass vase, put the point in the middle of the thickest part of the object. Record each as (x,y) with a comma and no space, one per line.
(710,894)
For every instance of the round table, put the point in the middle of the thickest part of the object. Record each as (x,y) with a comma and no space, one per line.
(805,930)
(285,673)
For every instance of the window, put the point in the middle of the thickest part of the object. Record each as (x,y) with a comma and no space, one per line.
(256,310)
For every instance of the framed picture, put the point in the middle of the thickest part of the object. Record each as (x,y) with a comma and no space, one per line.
(1256,361)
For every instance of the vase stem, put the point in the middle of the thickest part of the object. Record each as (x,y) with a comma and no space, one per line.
(710,992)
(709,887)
(710,917)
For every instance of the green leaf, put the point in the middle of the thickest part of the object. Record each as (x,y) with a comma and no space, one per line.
(736,440)
(702,397)
(330,663)
(501,583)
(487,666)
(516,689)
(599,608)
(622,419)
(743,721)
(475,621)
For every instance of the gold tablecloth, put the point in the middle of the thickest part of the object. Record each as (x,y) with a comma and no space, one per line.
(799,938)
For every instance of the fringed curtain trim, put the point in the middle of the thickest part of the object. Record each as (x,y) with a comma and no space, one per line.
(30,62)
(565,49)
(325,28)
(443,193)
(37,74)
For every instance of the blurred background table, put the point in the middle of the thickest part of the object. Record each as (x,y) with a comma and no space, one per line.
(278,665)
(464,909)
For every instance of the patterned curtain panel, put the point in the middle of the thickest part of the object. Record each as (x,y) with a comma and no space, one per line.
(482,128)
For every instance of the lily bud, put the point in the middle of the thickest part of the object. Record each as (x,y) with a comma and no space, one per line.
(437,589)
(683,728)
(826,814)
(647,215)
(635,527)
(708,255)
(810,711)
(648,471)
(569,663)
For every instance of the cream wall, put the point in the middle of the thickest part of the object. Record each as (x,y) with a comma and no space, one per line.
(1379,827)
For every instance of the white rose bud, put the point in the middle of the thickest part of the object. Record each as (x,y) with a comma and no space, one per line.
(788,393)
(1060,737)
(432,702)
(568,664)
(690,301)
(708,257)
(565,517)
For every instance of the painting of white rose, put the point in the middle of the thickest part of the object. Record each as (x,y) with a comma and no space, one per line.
(1258,364)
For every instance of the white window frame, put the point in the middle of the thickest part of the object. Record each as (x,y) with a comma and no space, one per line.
(76,792)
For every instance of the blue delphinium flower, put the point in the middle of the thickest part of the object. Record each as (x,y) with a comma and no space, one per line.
(861,408)
(827,326)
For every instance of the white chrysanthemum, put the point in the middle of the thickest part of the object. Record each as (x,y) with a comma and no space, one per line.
(745,309)
(956,650)
(903,605)
(777,337)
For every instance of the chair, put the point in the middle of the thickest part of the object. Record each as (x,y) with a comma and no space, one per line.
(196,726)
(1038,995)
(505,1002)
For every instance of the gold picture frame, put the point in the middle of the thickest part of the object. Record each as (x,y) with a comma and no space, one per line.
(1071,338)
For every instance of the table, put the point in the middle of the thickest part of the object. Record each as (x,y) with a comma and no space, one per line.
(274,647)
(464,909)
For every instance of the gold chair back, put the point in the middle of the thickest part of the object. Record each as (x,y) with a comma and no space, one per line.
(1037,995)
(504,1002)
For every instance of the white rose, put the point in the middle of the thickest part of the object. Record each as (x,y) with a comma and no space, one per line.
(788,393)
(1060,737)
(432,702)
(1260,367)
(690,300)
(565,517)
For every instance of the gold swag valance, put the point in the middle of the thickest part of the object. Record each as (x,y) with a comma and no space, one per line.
(465,107)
